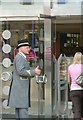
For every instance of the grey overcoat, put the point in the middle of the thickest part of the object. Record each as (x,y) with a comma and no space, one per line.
(19,89)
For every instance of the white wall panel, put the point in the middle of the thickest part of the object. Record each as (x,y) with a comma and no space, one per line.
(72,7)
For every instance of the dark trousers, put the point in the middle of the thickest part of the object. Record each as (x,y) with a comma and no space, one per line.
(21,113)
(76,97)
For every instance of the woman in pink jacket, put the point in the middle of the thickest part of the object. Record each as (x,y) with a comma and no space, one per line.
(76,91)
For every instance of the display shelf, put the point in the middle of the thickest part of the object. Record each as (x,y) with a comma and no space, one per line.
(69,43)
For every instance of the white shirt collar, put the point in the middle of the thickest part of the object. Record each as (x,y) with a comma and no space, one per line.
(22,54)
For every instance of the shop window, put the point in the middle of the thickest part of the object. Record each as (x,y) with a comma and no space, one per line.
(70,43)
(61,1)
(26,2)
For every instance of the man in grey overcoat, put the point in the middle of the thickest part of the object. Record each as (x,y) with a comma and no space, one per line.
(19,89)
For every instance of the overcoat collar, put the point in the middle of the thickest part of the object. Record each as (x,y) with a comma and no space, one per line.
(22,54)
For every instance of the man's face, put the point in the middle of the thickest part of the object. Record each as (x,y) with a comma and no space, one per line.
(25,49)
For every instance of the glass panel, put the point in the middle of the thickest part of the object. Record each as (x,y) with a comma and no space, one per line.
(41,87)
(62,85)
(63,103)
(42,96)
(47,103)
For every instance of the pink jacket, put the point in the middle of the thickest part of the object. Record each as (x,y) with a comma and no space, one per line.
(75,70)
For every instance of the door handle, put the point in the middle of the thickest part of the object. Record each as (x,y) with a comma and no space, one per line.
(41,79)
(45,78)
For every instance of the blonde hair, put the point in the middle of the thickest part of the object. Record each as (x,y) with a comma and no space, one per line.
(78,58)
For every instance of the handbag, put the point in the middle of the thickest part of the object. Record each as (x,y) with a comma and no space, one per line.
(79,80)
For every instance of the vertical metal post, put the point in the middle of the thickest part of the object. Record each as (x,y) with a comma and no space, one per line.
(33,38)
(41,85)
(33,34)
(54,88)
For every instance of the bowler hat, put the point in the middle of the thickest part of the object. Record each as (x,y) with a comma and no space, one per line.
(23,42)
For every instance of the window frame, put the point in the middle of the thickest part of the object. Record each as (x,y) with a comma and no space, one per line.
(61,1)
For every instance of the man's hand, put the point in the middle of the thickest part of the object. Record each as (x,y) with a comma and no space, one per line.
(37,71)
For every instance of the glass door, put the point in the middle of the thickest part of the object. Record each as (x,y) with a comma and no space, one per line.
(43,87)
(46,90)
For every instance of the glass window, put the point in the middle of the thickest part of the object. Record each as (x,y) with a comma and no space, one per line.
(61,1)
(26,2)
